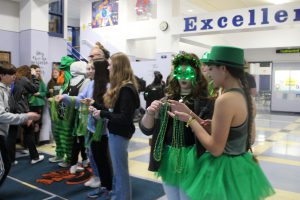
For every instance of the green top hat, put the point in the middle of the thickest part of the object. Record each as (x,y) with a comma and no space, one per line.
(204,58)
(226,55)
(65,63)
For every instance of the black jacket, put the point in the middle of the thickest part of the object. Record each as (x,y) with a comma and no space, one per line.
(22,88)
(121,119)
(204,109)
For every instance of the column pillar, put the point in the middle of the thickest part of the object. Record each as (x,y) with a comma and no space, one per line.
(34,33)
(166,44)
(34,45)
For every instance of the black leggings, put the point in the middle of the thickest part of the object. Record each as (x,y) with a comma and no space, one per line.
(39,110)
(4,160)
(102,159)
(28,135)
(78,146)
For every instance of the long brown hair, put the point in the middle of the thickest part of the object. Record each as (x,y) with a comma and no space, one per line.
(120,75)
(23,71)
(240,74)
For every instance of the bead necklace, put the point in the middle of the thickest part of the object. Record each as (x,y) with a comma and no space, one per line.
(177,137)
(178,141)
(158,148)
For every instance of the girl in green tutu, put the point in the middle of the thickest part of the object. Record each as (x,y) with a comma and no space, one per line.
(228,171)
(172,141)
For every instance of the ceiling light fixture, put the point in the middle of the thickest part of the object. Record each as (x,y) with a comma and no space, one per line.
(279,1)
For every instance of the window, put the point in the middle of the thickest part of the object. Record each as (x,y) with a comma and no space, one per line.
(56,18)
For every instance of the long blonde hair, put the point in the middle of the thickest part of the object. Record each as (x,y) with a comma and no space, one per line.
(120,75)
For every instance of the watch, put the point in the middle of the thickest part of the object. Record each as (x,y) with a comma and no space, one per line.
(163,26)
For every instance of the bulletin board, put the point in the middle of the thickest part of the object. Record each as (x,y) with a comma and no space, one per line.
(286,87)
(5,56)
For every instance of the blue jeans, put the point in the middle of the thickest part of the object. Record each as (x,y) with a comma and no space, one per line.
(91,157)
(174,192)
(118,147)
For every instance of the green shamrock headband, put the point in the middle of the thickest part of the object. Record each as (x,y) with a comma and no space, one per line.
(186,59)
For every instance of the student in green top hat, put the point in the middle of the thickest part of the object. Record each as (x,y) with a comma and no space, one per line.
(228,169)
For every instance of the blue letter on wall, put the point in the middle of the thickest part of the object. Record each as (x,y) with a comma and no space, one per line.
(222,22)
(297,14)
(190,24)
(206,24)
(281,16)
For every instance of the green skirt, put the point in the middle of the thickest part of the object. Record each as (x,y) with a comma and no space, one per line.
(173,169)
(224,178)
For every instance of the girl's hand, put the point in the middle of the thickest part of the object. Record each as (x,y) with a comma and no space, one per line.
(87,101)
(179,107)
(92,109)
(33,72)
(206,124)
(96,114)
(154,107)
(182,116)
(29,122)
(58,98)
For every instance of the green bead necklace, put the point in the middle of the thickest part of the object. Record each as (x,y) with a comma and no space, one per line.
(158,148)
(178,141)
(177,137)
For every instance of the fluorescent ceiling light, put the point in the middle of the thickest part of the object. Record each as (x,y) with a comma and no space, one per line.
(190,10)
(279,1)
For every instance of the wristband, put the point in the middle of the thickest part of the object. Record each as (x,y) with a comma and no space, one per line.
(189,121)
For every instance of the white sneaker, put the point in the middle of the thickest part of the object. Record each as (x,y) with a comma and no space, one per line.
(94,182)
(64,164)
(55,159)
(75,168)
(87,184)
(41,158)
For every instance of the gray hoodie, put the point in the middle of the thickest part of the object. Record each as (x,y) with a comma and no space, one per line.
(7,118)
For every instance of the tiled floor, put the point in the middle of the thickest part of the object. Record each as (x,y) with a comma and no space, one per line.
(277,147)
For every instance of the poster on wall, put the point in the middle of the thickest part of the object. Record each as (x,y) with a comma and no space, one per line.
(295,80)
(5,56)
(287,80)
(282,78)
(105,13)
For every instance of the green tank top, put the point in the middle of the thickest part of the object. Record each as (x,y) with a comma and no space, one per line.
(238,136)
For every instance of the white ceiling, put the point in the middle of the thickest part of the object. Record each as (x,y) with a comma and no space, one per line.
(259,39)
(265,38)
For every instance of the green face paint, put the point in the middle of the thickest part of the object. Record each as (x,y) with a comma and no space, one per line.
(187,74)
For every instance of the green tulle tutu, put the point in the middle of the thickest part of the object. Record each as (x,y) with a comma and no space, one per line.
(224,178)
(173,169)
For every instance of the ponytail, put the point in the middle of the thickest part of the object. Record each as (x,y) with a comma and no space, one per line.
(249,107)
